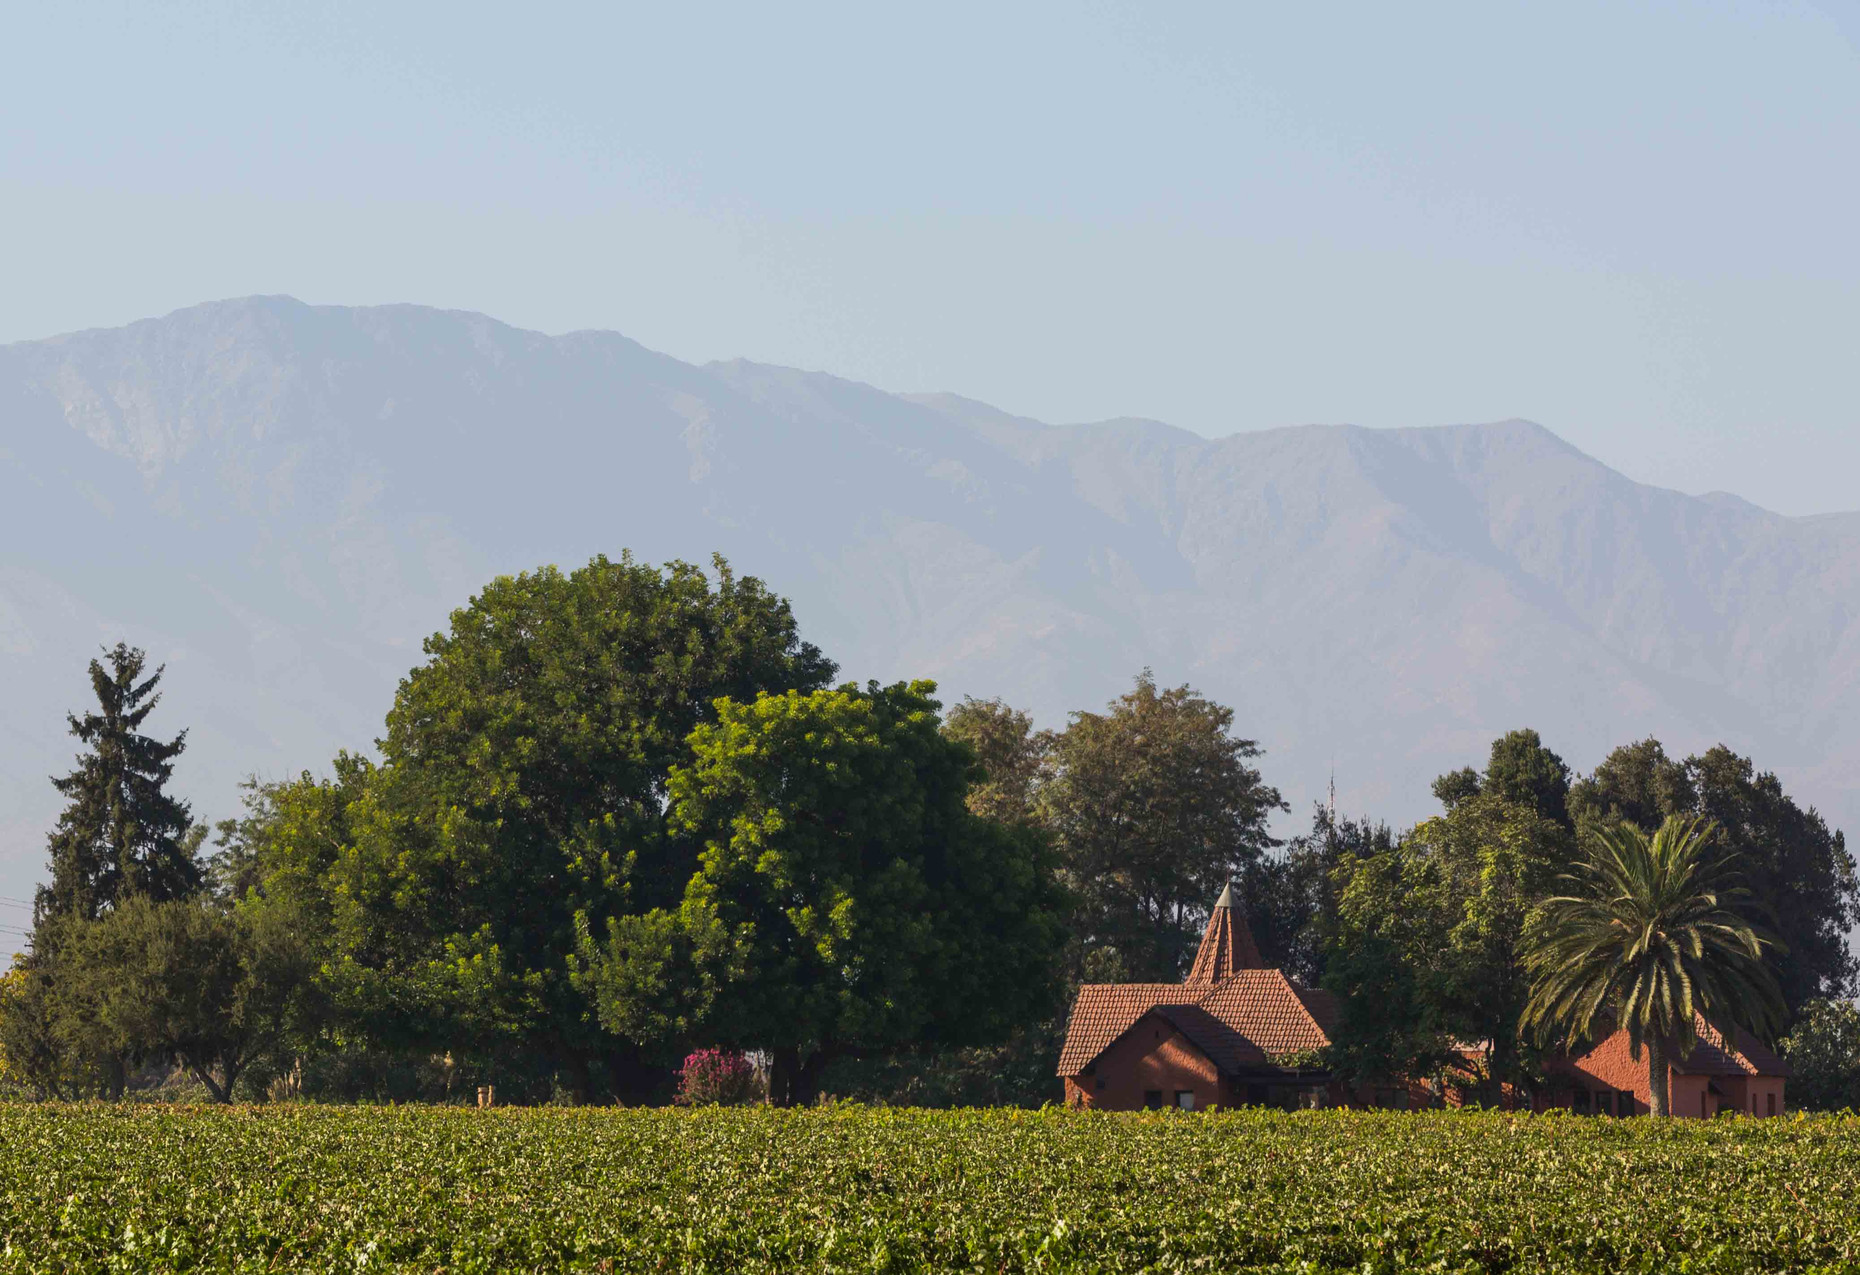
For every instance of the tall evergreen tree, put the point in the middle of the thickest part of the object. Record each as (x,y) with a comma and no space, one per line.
(121,834)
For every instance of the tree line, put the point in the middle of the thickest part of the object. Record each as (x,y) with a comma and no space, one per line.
(624,811)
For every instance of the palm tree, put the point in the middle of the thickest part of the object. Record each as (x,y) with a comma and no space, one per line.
(1649,940)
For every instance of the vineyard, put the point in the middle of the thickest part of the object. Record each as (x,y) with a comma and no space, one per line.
(94,1188)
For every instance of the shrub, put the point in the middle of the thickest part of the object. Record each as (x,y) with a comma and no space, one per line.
(718,1078)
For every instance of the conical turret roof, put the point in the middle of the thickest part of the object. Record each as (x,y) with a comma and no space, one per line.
(1227,946)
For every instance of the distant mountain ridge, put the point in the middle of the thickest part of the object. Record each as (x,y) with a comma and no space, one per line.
(282,500)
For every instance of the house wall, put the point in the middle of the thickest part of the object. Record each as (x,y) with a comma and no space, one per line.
(1755,1094)
(1689,1096)
(1610,1065)
(1152,1056)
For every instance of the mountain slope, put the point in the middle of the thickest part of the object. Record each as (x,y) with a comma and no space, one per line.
(281,500)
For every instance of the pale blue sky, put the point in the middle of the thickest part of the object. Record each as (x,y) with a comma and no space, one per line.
(1635,224)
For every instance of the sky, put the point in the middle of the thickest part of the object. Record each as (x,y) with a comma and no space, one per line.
(1631,223)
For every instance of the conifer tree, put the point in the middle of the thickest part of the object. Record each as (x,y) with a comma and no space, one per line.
(121,834)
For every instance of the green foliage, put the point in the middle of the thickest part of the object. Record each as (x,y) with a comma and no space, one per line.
(1823,1049)
(1459,785)
(524,783)
(285,848)
(1018,1072)
(1520,770)
(1429,939)
(182,980)
(1637,783)
(1801,878)
(33,1056)
(851,899)
(853,1190)
(120,834)
(1155,809)
(654,978)
(1013,757)
(1289,897)
(1648,939)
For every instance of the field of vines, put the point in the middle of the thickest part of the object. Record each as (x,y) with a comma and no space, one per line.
(144,1188)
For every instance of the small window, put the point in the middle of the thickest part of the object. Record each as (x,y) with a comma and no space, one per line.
(1579,1102)
(1772,1098)
(1256,1095)
(1624,1103)
(1102,1083)
(1605,1102)
(1185,1099)
(1152,1099)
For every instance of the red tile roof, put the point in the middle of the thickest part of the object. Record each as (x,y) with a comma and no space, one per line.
(1226,1048)
(1321,1005)
(1245,1020)
(1105,1011)
(1264,1007)
(1714,1056)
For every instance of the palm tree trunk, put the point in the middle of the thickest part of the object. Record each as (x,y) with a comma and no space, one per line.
(1657,1076)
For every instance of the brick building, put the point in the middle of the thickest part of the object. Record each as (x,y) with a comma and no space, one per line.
(1718,1075)
(1228,1035)
(1232,1034)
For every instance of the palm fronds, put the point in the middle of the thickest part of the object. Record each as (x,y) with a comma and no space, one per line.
(1649,938)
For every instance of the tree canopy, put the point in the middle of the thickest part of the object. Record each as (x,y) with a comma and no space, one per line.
(847,898)
(1799,873)
(1014,758)
(1155,808)
(618,813)
(525,781)
(1430,936)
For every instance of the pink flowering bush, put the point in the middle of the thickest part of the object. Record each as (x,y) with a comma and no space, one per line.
(717,1078)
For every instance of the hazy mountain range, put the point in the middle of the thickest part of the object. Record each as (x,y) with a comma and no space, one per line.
(281,501)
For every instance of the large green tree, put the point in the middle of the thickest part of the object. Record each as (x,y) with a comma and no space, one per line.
(1155,807)
(185,981)
(1431,935)
(1649,940)
(847,899)
(121,832)
(524,781)
(1800,876)
(1427,942)
(32,1053)
(1426,946)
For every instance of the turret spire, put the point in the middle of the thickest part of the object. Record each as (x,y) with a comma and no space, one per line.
(1227,946)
